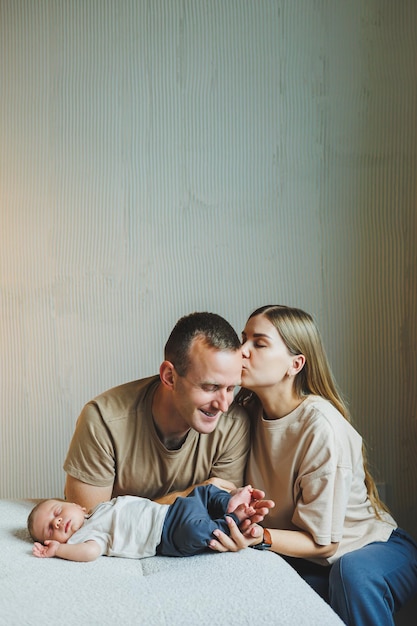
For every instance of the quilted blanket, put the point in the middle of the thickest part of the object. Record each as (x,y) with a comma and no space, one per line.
(249,587)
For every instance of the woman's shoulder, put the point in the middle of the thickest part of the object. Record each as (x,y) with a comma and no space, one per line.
(321,415)
(319,407)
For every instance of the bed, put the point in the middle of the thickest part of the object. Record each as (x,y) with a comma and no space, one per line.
(249,587)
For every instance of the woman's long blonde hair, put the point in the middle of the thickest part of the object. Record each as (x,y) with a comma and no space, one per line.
(301,336)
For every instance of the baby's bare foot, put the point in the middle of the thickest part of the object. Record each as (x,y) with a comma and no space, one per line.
(243,495)
(243,512)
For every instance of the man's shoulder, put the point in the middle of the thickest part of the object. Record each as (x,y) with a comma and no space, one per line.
(124,398)
(237,412)
(235,420)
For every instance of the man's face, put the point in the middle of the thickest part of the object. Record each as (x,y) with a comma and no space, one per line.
(206,391)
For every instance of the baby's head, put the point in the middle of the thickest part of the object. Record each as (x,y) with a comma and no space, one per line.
(55,519)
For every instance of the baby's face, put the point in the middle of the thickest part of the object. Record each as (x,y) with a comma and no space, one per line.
(57,520)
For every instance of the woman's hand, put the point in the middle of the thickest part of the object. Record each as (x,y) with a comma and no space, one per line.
(249,535)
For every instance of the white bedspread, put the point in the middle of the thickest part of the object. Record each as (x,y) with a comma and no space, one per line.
(249,587)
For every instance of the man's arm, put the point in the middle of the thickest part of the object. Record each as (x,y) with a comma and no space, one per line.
(87,551)
(86,495)
(90,460)
(218,482)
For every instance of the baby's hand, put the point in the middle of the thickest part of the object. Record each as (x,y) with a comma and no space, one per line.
(45,551)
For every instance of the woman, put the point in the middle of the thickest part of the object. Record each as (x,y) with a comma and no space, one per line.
(328,521)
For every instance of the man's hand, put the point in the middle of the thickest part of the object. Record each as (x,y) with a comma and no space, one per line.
(45,551)
(261,508)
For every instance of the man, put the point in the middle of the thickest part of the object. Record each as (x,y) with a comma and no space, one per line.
(165,434)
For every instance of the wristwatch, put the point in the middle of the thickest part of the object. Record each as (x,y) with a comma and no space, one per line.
(266,542)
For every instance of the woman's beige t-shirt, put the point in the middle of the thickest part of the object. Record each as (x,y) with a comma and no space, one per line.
(310,463)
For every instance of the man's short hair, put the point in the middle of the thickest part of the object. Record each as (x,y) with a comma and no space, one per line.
(213,329)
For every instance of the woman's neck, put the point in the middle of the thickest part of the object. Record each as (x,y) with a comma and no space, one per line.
(277,404)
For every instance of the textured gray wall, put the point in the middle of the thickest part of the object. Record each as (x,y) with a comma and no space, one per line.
(172,155)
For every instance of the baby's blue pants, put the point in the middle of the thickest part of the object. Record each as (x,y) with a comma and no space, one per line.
(190,521)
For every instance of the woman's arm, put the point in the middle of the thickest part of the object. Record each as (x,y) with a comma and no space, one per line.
(299,544)
(286,542)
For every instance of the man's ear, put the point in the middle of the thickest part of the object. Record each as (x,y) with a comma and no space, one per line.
(166,373)
(297,365)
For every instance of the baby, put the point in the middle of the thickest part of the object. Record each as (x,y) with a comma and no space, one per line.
(134,527)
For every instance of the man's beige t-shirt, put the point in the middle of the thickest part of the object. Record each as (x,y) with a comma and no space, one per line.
(115,441)
(310,463)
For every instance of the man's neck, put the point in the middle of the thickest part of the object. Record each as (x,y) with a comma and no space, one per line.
(163,415)
(171,442)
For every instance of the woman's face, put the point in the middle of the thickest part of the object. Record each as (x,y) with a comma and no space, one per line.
(266,358)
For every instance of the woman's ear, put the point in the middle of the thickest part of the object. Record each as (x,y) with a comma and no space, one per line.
(297,365)
(166,373)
